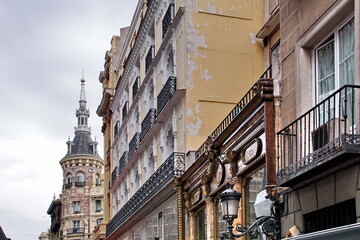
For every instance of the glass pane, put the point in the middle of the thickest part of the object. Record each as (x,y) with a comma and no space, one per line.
(221,225)
(201,225)
(170,221)
(255,185)
(326,71)
(346,53)
(152,229)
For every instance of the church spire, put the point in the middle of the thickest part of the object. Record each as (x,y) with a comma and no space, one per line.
(82,113)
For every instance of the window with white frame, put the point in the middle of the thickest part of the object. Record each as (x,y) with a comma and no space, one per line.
(335,61)
(76,224)
(76,207)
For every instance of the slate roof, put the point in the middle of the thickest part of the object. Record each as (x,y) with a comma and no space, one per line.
(81,145)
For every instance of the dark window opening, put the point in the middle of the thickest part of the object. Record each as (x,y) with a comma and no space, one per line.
(337,215)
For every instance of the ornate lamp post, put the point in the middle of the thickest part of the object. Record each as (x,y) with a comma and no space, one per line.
(264,225)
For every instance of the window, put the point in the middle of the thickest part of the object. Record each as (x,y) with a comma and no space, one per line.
(97,181)
(337,215)
(221,225)
(76,225)
(76,207)
(68,181)
(80,179)
(201,225)
(335,61)
(255,184)
(98,221)
(98,206)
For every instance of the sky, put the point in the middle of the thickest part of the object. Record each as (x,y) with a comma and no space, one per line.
(44,46)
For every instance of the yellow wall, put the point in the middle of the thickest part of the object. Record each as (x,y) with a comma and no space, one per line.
(223,60)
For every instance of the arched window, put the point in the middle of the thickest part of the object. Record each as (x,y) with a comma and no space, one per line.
(80,179)
(68,181)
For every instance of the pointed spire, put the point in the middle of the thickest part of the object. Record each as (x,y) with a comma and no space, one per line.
(82,113)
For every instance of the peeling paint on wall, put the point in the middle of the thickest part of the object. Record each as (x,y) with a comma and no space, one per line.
(194,127)
(253,38)
(206,76)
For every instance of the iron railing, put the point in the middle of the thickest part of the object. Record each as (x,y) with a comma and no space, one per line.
(320,132)
(125,109)
(168,19)
(68,185)
(149,57)
(166,93)
(114,175)
(173,166)
(75,230)
(148,122)
(123,161)
(134,144)
(135,87)
(235,111)
(80,183)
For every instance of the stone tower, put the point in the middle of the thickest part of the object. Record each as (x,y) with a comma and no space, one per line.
(82,194)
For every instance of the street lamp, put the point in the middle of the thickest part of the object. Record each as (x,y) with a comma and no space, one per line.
(264,225)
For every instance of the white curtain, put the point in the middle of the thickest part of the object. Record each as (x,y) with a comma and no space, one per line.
(326,70)
(346,54)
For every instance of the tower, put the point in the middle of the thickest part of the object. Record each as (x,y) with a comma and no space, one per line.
(82,194)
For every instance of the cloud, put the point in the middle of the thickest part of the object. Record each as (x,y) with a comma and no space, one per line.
(44,46)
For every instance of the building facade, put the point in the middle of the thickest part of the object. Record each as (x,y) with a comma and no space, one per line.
(108,78)
(82,194)
(172,91)
(318,141)
(55,212)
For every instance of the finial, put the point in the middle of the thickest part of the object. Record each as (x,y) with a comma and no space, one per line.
(82,78)
(68,138)
(54,197)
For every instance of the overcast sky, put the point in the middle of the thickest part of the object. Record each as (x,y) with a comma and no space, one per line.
(44,45)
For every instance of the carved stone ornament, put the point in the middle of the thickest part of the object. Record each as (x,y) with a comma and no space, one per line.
(231,158)
(251,151)
(211,148)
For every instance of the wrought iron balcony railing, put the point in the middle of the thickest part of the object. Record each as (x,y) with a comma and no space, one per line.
(173,166)
(68,185)
(148,122)
(168,19)
(166,93)
(79,183)
(135,87)
(318,134)
(134,144)
(125,109)
(235,111)
(114,175)
(75,230)
(123,161)
(149,57)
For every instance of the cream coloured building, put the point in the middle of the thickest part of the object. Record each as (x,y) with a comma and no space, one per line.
(183,66)
(82,194)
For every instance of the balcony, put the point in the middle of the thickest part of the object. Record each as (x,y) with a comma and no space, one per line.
(148,122)
(252,96)
(75,231)
(114,175)
(166,93)
(149,57)
(320,137)
(135,87)
(125,109)
(123,161)
(134,144)
(80,184)
(173,166)
(68,185)
(168,19)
